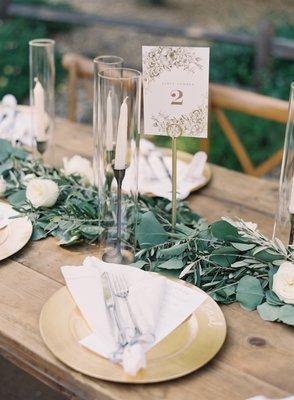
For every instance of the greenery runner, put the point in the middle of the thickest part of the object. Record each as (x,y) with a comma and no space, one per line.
(230,260)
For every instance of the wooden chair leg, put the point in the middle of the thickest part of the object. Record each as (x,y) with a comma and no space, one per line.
(235,142)
(269,164)
(204,145)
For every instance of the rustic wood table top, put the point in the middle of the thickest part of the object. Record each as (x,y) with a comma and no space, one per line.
(257,357)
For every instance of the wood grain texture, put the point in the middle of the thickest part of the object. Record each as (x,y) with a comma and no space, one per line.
(256,358)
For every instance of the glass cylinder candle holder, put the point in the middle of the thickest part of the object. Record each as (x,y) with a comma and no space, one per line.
(284,223)
(42,83)
(119,107)
(100,64)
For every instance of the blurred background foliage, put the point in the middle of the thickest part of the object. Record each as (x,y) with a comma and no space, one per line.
(14,49)
(230,64)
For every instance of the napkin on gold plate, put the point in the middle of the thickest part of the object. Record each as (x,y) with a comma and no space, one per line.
(160,305)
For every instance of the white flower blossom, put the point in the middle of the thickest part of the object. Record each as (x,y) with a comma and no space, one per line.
(283,282)
(81,166)
(42,192)
(27,178)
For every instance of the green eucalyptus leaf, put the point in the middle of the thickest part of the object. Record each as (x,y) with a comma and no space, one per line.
(249,292)
(67,240)
(268,312)
(18,198)
(223,230)
(184,229)
(150,232)
(287,314)
(224,256)
(273,299)
(139,264)
(5,149)
(271,273)
(91,230)
(38,233)
(243,246)
(239,264)
(267,256)
(6,166)
(174,263)
(173,251)
(19,153)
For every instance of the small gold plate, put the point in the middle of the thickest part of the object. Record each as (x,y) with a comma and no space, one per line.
(187,348)
(15,235)
(187,158)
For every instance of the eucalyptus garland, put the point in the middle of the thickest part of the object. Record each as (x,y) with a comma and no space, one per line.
(230,260)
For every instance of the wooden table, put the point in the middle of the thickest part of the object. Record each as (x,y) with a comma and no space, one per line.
(258,356)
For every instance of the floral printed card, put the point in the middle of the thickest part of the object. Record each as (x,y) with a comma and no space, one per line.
(176,83)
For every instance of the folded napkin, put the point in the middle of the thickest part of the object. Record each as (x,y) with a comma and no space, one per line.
(155,171)
(15,124)
(159,305)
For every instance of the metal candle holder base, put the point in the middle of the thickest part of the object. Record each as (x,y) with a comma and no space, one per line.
(291,237)
(115,255)
(111,255)
(42,146)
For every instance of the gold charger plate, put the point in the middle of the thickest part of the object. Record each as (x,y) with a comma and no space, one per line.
(15,235)
(187,158)
(187,348)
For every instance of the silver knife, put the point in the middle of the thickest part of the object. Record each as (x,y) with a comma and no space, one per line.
(165,167)
(111,309)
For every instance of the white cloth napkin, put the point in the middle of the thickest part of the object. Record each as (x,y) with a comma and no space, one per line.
(15,125)
(159,305)
(154,179)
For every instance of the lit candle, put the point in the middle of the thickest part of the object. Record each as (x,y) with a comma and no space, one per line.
(122,138)
(109,123)
(291,203)
(39,111)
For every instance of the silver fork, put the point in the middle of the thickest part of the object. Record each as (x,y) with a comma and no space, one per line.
(121,290)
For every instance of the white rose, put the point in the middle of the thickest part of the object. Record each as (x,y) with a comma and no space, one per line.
(27,178)
(2,186)
(81,166)
(42,192)
(283,282)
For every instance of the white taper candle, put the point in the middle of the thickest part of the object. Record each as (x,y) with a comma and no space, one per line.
(122,138)
(109,124)
(39,111)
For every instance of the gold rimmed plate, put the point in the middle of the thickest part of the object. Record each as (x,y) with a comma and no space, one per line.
(191,345)
(15,235)
(187,158)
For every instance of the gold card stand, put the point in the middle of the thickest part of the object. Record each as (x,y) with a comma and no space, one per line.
(174,131)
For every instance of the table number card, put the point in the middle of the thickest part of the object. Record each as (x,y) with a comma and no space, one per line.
(176,89)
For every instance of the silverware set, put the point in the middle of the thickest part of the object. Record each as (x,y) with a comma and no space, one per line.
(115,287)
(146,155)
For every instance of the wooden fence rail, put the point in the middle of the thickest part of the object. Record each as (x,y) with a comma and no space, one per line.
(264,42)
